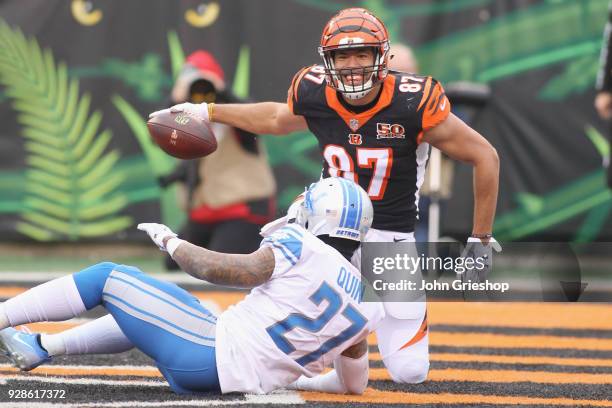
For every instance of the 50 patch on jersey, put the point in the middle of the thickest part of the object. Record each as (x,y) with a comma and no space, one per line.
(389,131)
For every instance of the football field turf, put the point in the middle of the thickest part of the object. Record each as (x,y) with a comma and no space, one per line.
(482,355)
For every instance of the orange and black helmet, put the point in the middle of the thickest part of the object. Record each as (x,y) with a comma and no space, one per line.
(349,29)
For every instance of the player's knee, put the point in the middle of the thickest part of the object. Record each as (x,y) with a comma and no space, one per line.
(407,371)
(90,282)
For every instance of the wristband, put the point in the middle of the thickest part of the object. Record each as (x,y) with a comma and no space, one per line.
(172,245)
(211,108)
(482,236)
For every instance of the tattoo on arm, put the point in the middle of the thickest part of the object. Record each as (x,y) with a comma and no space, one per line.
(242,271)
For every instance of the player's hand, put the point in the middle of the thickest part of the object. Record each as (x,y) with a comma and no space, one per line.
(482,255)
(157,232)
(603,104)
(198,110)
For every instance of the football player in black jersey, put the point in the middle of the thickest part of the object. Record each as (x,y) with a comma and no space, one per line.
(375,126)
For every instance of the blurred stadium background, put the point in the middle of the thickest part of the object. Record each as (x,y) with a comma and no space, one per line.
(89,71)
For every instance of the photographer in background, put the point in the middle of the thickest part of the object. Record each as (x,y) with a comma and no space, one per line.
(229,194)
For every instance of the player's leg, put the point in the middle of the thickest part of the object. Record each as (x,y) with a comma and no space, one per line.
(99,336)
(55,300)
(166,323)
(404,348)
(403,339)
(29,350)
(161,319)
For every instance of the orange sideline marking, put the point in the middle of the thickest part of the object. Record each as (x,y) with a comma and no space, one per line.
(493,340)
(504,376)
(517,341)
(516,359)
(536,315)
(59,370)
(373,396)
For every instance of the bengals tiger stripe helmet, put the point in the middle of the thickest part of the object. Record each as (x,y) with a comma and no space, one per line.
(349,29)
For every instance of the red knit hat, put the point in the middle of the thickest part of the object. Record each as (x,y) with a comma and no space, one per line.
(199,65)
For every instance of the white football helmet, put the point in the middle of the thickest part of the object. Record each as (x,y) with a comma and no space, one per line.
(334,206)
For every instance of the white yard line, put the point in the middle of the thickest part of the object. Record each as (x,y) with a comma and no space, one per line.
(95,367)
(277,397)
(280,397)
(82,381)
(178,277)
(119,404)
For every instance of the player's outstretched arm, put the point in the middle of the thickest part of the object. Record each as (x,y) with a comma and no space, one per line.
(350,374)
(461,142)
(238,270)
(259,118)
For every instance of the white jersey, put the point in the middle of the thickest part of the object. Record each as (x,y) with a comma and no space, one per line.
(298,322)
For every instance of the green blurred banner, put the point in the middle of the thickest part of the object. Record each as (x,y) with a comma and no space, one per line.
(77,79)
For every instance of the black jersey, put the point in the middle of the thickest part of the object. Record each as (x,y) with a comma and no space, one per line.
(380,148)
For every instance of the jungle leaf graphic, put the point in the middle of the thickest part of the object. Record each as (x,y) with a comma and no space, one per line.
(159,162)
(71,182)
(177,56)
(579,76)
(549,32)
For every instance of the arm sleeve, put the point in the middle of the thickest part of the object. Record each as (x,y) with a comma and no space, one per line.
(287,245)
(604,75)
(434,106)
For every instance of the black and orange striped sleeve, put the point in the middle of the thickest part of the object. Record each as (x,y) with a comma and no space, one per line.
(292,93)
(434,106)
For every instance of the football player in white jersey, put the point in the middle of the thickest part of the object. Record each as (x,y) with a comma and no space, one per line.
(303,314)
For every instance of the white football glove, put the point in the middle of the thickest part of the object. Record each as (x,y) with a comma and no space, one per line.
(475,249)
(157,232)
(197,110)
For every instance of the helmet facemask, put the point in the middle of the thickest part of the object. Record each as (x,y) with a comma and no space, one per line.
(371,75)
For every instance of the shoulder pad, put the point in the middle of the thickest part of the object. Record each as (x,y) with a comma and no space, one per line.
(288,240)
(304,87)
(434,106)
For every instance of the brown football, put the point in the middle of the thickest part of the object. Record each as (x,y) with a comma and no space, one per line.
(182,135)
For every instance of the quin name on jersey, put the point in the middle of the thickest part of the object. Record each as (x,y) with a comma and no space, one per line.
(296,323)
(378,146)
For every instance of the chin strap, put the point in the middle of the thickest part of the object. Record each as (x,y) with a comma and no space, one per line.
(356,95)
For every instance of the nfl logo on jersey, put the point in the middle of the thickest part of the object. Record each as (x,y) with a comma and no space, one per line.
(354,124)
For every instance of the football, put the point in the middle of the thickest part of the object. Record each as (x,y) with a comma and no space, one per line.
(182,135)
